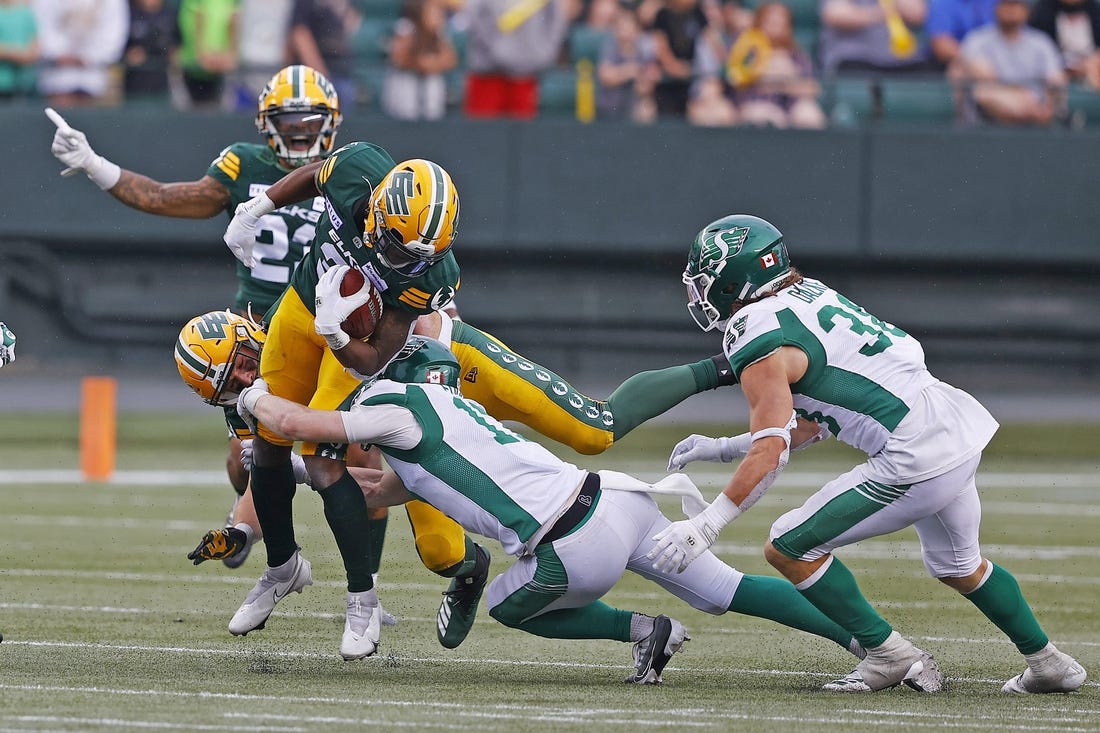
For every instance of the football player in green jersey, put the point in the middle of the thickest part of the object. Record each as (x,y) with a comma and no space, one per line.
(812,364)
(298,116)
(394,223)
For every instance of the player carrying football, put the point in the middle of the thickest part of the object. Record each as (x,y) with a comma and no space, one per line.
(395,224)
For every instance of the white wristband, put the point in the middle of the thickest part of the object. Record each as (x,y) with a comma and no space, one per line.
(721,511)
(338,340)
(259,205)
(104,173)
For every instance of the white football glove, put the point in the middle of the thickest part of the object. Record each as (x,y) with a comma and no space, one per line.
(702,448)
(332,309)
(247,399)
(301,476)
(7,345)
(71,148)
(678,544)
(240,235)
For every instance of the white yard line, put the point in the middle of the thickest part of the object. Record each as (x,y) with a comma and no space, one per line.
(863,718)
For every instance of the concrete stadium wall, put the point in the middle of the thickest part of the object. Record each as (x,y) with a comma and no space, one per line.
(572,238)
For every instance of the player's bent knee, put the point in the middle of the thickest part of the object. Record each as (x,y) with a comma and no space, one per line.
(439,551)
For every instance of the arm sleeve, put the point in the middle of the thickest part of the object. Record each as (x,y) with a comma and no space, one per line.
(391,426)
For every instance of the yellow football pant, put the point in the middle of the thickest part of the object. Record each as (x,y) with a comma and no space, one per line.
(298,365)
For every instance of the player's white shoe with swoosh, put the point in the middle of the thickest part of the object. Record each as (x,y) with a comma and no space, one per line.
(274,585)
(362,625)
(652,653)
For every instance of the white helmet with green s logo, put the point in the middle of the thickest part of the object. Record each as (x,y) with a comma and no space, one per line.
(733,260)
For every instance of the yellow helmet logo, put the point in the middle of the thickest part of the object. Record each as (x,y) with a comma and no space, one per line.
(413,216)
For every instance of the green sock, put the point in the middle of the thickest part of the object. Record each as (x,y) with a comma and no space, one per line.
(346,512)
(836,595)
(376,537)
(777,600)
(597,620)
(652,393)
(273,490)
(1000,599)
(466,565)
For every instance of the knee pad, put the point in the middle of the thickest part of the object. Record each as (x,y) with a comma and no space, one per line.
(952,564)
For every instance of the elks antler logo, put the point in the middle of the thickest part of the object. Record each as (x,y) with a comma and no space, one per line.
(722,244)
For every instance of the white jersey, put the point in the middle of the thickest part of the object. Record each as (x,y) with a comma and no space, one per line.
(866,381)
(452,455)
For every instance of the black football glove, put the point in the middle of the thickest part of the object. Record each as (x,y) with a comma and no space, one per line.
(218,544)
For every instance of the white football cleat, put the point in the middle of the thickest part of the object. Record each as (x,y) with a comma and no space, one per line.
(268,591)
(1048,670)
(894,662)
(362,626)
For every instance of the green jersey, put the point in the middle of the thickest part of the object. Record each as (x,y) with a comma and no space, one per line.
(346,181)
(282,237)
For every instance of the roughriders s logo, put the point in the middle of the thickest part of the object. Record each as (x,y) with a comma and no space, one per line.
(734,331)
(720,245)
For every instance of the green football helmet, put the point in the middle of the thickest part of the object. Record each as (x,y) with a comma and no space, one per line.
(424,361)
(735,259)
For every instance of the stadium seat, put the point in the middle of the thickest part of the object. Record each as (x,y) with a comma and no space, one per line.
(1087,102)
(558,93)
(585,43)
(371,41)
(918,100)
(847,101)
(379,9)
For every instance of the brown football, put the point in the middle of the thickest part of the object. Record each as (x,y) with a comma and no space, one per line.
(362,321)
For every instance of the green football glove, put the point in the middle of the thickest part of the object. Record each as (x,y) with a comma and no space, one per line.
(218,544)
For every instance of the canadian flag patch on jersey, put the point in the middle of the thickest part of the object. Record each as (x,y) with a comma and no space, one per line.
(767,260)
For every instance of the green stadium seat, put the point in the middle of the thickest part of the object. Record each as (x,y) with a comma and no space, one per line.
(558,93)
(1087,102)
(804,13)
(379,9)
(585,43)
(371,41)
(847,101)
(918,100)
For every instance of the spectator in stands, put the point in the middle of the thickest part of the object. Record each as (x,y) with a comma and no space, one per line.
(710,103)
(152,42)
(948,23)
(602,14)
(79,41)
(320,36)
(872,35)
(261,47)
(777,87)
(18,49)
(1074,26)
(421,55)
(509,43)
(208,49)
(626,71)
(1014,71)
(677,28)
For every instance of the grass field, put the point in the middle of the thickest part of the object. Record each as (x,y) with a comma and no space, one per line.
(108,627)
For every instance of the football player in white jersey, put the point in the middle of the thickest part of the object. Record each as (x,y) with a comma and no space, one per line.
(574,532)
(812,364)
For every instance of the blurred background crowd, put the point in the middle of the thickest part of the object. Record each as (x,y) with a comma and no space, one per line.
(791,63)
